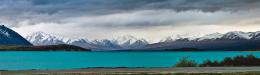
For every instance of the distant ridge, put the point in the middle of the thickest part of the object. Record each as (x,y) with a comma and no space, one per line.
(230,41)
(119,43)
(234,40)
(232,35)
(61,47)
(10,37)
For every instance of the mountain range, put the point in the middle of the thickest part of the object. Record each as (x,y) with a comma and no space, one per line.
(233,35)
(234,40)
(124,42)
(12,41)
(215,41)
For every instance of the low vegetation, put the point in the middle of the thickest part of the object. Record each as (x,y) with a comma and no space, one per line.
(237,61)
(184,62)
(249,60)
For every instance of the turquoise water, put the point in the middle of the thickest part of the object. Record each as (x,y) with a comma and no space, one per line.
(18,60)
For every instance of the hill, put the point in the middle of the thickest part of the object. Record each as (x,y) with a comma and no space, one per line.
(61,47)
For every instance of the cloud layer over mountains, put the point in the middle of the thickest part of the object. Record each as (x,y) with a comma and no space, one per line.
(150,19)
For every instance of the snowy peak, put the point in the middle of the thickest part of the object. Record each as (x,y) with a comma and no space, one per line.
(42,38)
(233,35)
(4,31)
(105,43)
(167,39)
(123,42)
(184,37)
(129,41)
(237,35)
(80,40)
(212,36)
(102,42)
(255,36)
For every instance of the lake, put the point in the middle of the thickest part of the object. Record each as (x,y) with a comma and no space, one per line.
(19,60)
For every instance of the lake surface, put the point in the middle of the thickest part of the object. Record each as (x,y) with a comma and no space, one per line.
(18,60)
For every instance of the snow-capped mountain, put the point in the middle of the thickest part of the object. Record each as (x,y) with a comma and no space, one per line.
(255,35)
(234,40)
(10,37)
(42,38)
(105,44)
(124,42)
(185,37)
(79,42)
(212,36)
(214,40)
(233,35)
(129,41)
(237,35)
(71,41)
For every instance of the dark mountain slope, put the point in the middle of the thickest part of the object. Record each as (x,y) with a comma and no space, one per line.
(10,37)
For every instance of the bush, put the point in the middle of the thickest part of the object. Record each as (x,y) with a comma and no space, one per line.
(184,62)
(249,60)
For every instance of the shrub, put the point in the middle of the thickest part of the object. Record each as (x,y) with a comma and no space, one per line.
(249,60)
(184,62)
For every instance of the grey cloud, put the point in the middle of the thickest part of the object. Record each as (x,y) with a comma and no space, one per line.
(153,18)
(124,5)
(105,6)
(36,11)
(115,6)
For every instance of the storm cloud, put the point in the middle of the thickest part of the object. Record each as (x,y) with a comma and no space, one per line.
(126,15)
(36,11)
(115,6)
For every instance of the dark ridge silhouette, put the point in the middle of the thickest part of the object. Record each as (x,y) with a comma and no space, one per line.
(10,37)
(61,47)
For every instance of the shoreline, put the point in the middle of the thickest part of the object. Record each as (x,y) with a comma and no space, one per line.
(136,70)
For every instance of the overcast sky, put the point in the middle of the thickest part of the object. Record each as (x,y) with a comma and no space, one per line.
(149,19)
